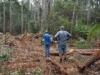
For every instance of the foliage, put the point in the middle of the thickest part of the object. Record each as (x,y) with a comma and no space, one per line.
(32,27)
(59,15)
(61,12)
(18,72)
(37,71)
(94,32)
(16,15)
(5,54)
(81,30)
(4,57)
(82,44)
(15,73)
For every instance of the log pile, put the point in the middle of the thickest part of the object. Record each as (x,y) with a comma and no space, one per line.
(81,67)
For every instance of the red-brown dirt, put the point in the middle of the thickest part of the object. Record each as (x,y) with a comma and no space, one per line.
(28,54)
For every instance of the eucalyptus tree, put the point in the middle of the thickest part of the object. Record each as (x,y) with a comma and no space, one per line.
(22,16)
(74,12)
(96,11)
(1,9)
(10,17)
(46,8)
(37,13)
(16,17)
(43,15)
(4,30)
(88,11)
(11,2)
(27,5)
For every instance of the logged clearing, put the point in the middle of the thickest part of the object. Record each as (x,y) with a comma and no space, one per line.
(26,57)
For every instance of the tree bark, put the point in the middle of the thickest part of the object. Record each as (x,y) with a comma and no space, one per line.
(88,12)
(74,52)
(92,59)
(22,16)
(38,13)
(10,18)
(4,17)
(76,23)
(59,66)
(43,16)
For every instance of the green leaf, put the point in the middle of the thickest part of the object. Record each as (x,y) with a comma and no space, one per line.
(94,32)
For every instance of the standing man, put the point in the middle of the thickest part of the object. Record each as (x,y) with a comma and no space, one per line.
(61,37)
(47,43)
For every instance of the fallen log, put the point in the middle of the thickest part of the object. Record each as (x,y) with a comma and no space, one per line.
(84,67)
(60,67)
(69,53)
(76,62)
(92,59)
(80,66)
(86,53)
(54,54)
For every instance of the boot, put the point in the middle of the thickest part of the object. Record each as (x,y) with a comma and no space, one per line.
(60,60)
(65,59)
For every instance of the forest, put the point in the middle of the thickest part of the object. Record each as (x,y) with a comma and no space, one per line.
(23,23)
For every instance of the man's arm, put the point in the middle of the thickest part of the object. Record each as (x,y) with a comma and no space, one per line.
(56,36)
(68,36)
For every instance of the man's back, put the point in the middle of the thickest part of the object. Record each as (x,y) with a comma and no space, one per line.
(47,38)
(62,37)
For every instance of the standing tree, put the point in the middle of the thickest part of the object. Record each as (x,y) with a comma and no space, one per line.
(10,16)
(4,16)
(88,12)
(22,3)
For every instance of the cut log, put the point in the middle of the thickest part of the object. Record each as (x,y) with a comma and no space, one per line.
(54,54)
(59,66)
(92,59)
(86,53)
(83,67)
(80,66)
(76,62)
(69,53)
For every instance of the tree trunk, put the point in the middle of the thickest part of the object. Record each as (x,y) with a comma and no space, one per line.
(28,16)
(59,67)
(43,15)
(76,23)
(38,13)
(4,17)
(93,58)
(73,16)
(22,16)
(10,18)
(82,11)
(88,12)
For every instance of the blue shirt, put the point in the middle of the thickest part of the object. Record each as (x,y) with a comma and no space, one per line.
(47,38)
(62,37)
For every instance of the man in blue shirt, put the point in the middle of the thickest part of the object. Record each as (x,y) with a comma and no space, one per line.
(61,37)
(47,43)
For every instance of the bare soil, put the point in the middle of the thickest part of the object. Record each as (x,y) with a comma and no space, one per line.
(28,53)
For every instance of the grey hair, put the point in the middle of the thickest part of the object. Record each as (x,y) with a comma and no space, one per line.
(62,27)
